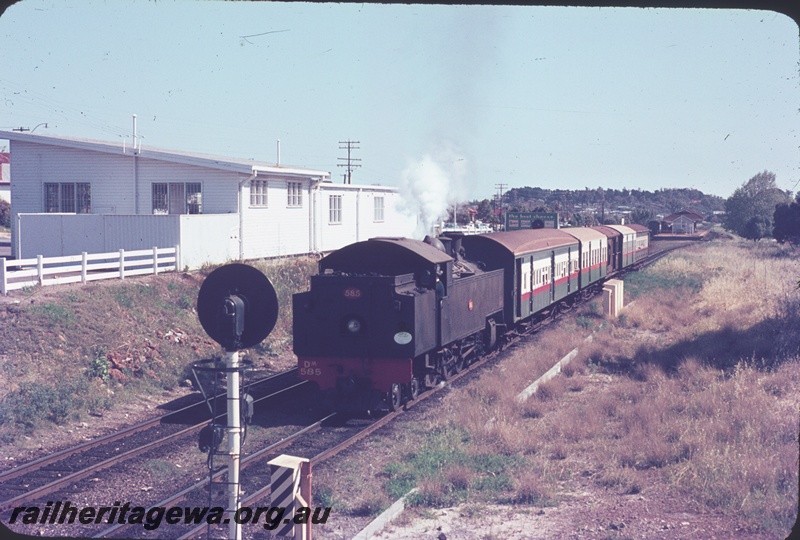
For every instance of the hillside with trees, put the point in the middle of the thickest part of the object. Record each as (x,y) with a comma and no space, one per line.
(591,206)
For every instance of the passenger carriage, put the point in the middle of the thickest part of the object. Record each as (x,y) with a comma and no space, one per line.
(593,254)
(628,243)
(642,243)
(541,267)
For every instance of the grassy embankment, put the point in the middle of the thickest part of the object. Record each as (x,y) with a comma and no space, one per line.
(83,349)
(694,387)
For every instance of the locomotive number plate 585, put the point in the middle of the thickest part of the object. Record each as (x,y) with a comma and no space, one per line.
(352,293)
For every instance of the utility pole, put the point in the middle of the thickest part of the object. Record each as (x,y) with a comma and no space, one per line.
(349,146)
(499,197)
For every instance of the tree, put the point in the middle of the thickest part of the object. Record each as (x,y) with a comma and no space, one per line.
(5,213)
(749,211)
(642,216)
(786,220)
(757,227)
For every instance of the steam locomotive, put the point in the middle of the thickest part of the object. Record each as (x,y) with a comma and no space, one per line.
(386,318)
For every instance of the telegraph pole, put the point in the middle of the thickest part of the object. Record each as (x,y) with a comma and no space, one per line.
(499,198)
(349,146)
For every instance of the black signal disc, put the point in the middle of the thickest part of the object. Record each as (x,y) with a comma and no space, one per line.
(260,300)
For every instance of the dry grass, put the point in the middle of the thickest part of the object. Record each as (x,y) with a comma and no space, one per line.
(699,383)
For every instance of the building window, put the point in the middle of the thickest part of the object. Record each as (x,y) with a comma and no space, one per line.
(177,198)
(194,198)
(160,198)
(378,208)
(71,197)
(83,199)
(335,209)
(295,190)
(258,193)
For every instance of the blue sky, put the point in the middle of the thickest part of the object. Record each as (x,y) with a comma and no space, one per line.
(554,97)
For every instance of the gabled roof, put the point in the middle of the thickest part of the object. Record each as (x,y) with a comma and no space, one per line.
(694,216)
(245,166)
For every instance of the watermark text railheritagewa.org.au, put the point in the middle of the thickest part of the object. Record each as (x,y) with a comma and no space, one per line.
(60,513)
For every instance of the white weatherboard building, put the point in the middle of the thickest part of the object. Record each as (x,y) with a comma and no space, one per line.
(5,176)
(70,195)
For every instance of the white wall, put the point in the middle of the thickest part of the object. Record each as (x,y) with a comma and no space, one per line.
(358,216)
(212,238)
(277,229)
(219,188)
(203,239)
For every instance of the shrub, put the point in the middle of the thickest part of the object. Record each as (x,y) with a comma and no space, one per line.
(33,402)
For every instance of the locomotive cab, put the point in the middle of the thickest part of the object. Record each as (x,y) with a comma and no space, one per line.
(371,310)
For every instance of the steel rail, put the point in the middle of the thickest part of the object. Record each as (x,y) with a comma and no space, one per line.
(256,496)
(37,464)
(83,473)
(246,461)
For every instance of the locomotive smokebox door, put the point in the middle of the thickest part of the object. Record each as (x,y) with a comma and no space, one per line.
(237,306)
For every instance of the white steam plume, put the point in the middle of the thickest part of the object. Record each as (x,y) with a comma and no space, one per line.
(431,184)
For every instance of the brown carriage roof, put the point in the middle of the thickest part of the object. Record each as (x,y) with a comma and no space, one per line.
(606,230)
(390,256)
(527,240)
(585,234)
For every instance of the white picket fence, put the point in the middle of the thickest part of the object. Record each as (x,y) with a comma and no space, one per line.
(20,273)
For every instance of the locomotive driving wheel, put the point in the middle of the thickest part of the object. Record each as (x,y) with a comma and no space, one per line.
(395,398)
(413,389)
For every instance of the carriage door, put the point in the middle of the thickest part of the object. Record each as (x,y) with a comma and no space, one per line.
(552,276)
(531,285)
(569,268)
(518,284)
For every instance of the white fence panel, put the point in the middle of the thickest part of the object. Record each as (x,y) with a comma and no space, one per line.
(17,274)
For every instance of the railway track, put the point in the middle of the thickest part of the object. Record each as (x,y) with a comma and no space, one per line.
(49,474)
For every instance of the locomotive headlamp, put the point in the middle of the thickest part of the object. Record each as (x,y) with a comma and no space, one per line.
(354,326)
